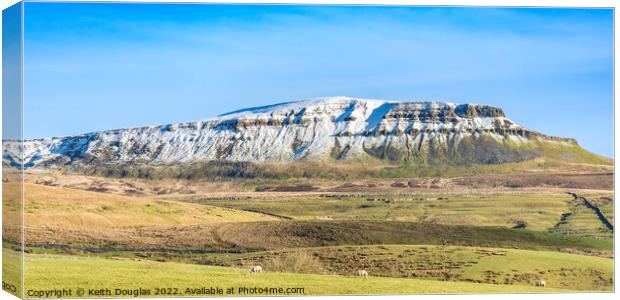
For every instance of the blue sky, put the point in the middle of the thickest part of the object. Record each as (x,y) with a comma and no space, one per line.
(92,67)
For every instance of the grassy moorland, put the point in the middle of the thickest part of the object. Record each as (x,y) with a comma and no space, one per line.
(433,262)
(71,208)
(535,211)
(257,236)
(462,234)
(455,263)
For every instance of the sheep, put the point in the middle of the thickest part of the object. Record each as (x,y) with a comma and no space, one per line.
(541,283)
(362,273)
(256,269)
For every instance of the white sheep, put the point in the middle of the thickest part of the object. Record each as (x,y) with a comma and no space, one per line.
(256,269)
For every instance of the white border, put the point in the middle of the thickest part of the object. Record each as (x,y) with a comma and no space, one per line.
(530,3)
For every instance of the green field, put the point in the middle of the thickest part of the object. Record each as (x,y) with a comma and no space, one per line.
(447,263)
(53,272)
(11,269)
(536,211)
(583,222)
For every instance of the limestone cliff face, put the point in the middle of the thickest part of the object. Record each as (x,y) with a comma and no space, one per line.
(340,128)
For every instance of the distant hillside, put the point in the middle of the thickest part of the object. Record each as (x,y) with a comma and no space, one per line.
(325,129)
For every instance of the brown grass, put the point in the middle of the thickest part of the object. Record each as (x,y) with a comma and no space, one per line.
(254,236)
(296,261)
(63,208)
(593,181)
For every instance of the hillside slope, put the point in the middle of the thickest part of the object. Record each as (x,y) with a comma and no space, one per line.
(66,208)
(338,128)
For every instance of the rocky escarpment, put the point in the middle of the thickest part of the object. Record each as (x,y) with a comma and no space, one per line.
(339,128)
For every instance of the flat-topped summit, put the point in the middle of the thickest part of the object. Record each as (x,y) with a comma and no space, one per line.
(339,128)
(355,116)
(338,103)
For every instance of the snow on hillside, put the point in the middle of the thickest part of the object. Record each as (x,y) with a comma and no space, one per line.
(307,129)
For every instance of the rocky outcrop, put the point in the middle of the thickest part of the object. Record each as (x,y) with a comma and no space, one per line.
(339,128)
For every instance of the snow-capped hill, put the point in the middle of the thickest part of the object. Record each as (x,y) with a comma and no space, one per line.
(326,128)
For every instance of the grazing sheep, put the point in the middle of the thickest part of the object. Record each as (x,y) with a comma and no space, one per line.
(541,283)
(256,269)
(362,273)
